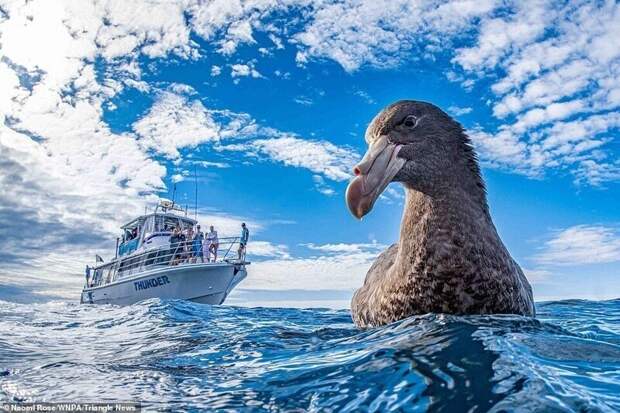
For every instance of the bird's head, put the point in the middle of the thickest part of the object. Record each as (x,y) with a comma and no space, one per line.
(415,143)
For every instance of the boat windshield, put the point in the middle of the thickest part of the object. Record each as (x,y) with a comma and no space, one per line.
(164,223)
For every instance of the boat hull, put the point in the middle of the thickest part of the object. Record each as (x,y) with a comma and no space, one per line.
(204,283)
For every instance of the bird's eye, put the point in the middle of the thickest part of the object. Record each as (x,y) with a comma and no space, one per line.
(410,121)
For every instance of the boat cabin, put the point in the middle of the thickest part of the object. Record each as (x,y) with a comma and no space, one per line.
(150,231)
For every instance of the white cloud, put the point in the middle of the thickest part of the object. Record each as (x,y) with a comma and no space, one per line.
(226,224)
(346,248)
(244,70)
(267,249)
(303,100)
(382,33)
(537,275)
(458,111)
(238,32)
(365,96)
(155,31)
(174,122)
(597,173)
(340,267)
(322,186)
(320,157)
(498,34)
(581,244)
(176,178)
(568,73)
(557,89)
(552,62)
(182,89)
(216,70)
(212,164)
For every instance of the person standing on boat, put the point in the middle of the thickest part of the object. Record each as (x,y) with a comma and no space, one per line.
(213,242)
(87,273)
(176,245)
(188,246)
(197,244)
(243,241)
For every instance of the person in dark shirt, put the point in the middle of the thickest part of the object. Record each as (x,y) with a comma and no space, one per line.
(243,241)
(177,241)
(197,244)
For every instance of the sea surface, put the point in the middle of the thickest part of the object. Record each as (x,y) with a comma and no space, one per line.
(181,356)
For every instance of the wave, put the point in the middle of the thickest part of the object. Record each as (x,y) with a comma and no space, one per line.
(177,355)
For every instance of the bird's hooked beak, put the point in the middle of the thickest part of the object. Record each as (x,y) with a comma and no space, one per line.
(376,170)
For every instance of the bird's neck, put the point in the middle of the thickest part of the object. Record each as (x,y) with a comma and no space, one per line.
(437,226)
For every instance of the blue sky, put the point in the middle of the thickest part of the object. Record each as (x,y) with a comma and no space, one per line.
(109,104)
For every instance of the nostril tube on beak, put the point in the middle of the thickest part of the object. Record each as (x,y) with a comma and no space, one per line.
(357,171)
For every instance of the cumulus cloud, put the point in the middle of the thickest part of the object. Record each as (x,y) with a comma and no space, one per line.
(322,186)
(319,156)
(226,224)
(558,93)
(550,63)
(338,267)
(382,33)
(581,244)
(244,70)
(215,70)
(174,122)
(459,111)
(267,249)
(182,89)
(537,275)
(346,248)
(212,164)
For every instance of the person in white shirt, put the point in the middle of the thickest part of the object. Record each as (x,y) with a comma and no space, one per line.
(213,243)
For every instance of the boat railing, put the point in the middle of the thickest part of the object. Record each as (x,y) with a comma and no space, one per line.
(169,254)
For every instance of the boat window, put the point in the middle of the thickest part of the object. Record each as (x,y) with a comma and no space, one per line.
(186,224)
(169,223)
(163,223)
(159,223)
(149,226)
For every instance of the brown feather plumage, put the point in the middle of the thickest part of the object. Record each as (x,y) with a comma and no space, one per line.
(449,258)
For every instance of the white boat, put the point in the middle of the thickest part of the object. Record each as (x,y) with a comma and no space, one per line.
(147,265)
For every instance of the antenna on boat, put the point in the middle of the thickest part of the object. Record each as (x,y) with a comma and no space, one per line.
(196,193)
(174,193)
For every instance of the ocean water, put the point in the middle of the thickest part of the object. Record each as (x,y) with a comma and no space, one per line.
(181,356)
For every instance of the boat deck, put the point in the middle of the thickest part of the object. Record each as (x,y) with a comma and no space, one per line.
(181,253)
